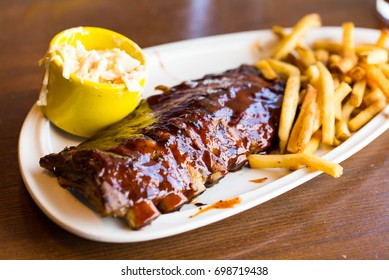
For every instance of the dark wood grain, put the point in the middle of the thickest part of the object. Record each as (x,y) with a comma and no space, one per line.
(326,218)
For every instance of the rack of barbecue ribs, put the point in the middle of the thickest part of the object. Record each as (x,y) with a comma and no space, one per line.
(173,146)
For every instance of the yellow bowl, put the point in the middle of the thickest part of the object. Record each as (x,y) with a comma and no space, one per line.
(84,107)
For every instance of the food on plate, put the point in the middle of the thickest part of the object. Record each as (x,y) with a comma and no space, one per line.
(291,96)
(305,122)
(294,160)
(178,143)
(173,145)
(347,82)
(93,78)
(289,42)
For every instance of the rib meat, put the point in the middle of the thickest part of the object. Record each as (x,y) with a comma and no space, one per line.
(173,145)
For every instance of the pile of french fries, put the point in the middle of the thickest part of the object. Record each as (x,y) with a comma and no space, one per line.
(332,90)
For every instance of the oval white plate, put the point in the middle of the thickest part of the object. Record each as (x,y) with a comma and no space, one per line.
(170,64)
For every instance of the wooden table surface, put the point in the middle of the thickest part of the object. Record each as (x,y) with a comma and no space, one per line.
(325,218)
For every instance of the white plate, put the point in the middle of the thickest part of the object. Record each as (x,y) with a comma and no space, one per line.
(168,65)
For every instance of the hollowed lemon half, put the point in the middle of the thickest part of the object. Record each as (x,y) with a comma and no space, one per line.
(82,107)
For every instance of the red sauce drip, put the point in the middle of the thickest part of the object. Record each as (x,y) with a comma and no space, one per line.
(259,180)
(222,204)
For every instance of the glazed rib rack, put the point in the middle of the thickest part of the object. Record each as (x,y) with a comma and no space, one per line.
(173,146)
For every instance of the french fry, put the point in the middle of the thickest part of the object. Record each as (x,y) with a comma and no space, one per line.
(331,47)
(313,143)
(340,93)
(326,103)
(279,31)
(336,80)
(292,58)
(307,125)
(303,127)
(341,126)
(333,60)
(304,81)
(348,58)
(290,101)
(302,95)
(317,120)
(376,76)
(306,55)
(366,115)
(357,73)
(348,38)
(292,160)
(343,63)
(266,69)
(313,74)
(322,55)
(384,35)
(289,42)
(375,56)
(312,146)
(373,95)
(385,69)
(357,93)
(346,78)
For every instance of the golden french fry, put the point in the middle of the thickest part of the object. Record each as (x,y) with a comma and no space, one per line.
(373,95)
(357,73)
(279,31)
(289,42)
(304,80)
(365,48)
(302,95)
(332,47)
(341,126)
(313,75)
(313,143)
(322,55)
(357,93)
(346,78)
(306,55)
(307,126)
(290,101)
(334,59)
(336,80)
(340,93)
(375,56)
(337,142)
(342,63)
(348,38)
(366,115)
(317,120)
(384,35)
(311,147)
(292,160)
(342,133)
(266,69)
(293,139)
(326,103)
(385,69)
(376,76)
(345,63)
(303,127)
(292,58)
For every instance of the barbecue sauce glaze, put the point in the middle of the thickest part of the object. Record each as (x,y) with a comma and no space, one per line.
(174,145)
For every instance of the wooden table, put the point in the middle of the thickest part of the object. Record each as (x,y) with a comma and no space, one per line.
(326,218)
